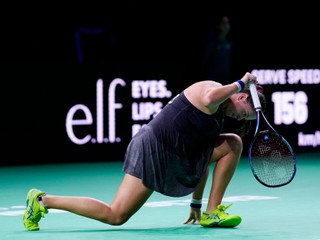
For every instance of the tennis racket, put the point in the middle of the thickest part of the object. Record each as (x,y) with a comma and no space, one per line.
(271,157)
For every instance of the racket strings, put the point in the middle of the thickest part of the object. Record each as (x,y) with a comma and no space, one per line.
(272,160)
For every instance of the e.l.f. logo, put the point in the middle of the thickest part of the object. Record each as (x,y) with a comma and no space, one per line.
(88,119)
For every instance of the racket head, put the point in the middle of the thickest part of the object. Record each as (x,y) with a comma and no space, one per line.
(272,159)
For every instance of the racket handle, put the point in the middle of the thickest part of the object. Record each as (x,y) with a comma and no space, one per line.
(255,97)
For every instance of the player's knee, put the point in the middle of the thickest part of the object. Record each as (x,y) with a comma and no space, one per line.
(117,220)
(113,216)
(235,143)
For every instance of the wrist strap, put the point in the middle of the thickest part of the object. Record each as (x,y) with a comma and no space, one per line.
(240,85)
(195,203)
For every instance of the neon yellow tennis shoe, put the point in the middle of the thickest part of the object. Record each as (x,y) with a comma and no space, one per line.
(219,218)
(34,211)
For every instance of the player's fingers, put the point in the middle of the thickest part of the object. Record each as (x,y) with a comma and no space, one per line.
(188,220)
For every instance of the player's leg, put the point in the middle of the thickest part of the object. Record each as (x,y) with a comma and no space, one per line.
(226,156)
(131,195)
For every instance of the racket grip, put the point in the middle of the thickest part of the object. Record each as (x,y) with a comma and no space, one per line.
(255,97)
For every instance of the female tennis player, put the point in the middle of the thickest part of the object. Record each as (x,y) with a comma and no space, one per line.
(172,155)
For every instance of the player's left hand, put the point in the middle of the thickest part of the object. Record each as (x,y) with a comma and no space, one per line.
(194,216)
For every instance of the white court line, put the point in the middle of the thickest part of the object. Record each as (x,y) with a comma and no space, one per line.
(205,200)
(19,210)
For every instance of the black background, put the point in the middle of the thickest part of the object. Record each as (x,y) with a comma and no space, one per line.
(40,66)
(285,35)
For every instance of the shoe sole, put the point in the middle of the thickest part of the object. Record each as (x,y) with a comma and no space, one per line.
(228,223)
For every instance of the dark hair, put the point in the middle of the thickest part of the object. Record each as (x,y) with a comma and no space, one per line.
(246,125)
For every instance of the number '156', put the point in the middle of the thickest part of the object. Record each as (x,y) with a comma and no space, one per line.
(290,107)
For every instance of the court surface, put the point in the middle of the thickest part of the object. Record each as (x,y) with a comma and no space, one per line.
(288,212)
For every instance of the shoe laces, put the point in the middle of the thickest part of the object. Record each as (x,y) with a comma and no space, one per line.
(223,208)
(219,210)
